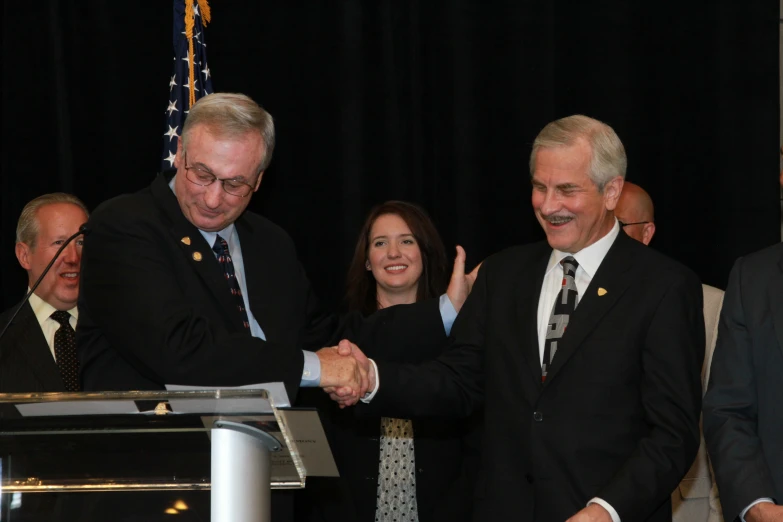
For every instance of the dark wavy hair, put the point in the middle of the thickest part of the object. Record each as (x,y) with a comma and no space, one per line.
(361,289)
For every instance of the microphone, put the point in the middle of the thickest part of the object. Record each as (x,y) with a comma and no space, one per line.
(83,230)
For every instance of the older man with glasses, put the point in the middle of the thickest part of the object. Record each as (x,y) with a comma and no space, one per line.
(182,285)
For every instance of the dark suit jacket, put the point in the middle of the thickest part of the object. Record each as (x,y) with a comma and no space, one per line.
(743,407)
(154,307)
(26,362)
(445,459)
(618,417)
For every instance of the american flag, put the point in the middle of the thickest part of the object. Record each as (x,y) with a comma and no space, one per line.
(190,57)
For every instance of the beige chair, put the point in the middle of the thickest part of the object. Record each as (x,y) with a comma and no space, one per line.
(696,498)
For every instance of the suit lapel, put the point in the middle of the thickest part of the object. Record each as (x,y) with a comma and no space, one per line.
(608,284)
(35,350)
(528,292)
(775,292)
(197,253)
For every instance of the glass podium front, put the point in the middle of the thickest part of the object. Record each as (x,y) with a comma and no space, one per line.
(232,443)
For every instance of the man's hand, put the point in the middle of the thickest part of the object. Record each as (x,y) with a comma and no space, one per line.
(460,284)
(344,373)
(592,513)
(345,395)
(764,512)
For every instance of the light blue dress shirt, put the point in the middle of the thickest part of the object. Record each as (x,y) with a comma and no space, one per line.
(311,373)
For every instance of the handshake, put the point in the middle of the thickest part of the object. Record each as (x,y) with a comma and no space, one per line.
(346,373)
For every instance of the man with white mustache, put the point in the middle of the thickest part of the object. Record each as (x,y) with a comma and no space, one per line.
(584,351)
(36,352)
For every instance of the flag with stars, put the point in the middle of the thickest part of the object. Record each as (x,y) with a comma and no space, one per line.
(191,79)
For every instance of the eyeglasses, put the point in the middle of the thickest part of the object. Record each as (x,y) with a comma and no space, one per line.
(204,178)
(623,225)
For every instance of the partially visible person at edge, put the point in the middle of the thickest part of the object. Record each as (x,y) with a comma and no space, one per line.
(397,469)
(743,406)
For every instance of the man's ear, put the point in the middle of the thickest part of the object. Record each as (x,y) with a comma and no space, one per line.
(178,157)
(648,232)
(258,181)
(23,255)
(612,192)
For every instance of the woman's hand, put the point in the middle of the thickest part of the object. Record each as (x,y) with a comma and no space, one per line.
(461,284)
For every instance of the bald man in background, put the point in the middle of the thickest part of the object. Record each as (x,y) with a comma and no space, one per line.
(635,213)
(696,498)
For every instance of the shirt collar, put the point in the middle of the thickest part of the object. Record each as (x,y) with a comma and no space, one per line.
(590,257)
(227,233)
(44,310)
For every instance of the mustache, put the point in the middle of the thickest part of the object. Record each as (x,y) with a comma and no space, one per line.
(557,219)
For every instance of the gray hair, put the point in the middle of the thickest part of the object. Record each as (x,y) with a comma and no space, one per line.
(608,159)
(27,228)
(231,115)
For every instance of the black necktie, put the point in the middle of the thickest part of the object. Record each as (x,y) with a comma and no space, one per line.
(224,258)
(565,304)
(65,351)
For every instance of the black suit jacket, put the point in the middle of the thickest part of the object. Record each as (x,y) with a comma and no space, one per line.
(445,451)
(618,417)
(154,307)
(743,406)
(26,362)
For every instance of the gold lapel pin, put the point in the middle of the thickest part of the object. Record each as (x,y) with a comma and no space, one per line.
(197,256)
(602,291)
(186,240)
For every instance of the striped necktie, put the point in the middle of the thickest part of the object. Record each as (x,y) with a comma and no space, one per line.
(224,258)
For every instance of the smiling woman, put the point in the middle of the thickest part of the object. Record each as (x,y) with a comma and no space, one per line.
(393,468)
(399,259)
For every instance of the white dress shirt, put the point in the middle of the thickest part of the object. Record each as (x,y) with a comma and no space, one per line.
(589,260)
(43,312)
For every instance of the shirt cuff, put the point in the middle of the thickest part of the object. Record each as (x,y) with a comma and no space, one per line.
(311,373)
(369,395)
(759,501)
(607,506)
(447,313)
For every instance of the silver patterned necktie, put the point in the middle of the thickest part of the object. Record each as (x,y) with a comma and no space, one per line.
(565,305)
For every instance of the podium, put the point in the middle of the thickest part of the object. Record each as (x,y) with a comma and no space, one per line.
(232,442)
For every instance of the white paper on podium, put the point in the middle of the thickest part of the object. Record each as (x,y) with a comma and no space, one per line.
(276,391)
(304,426)
(63,408)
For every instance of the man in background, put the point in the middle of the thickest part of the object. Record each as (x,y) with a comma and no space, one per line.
(696,498)
(38,350)
(635,213)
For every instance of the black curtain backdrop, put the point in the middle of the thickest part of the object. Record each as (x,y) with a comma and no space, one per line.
(435,102)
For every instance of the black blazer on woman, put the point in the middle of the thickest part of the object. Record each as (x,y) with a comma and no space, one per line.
(444,449)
